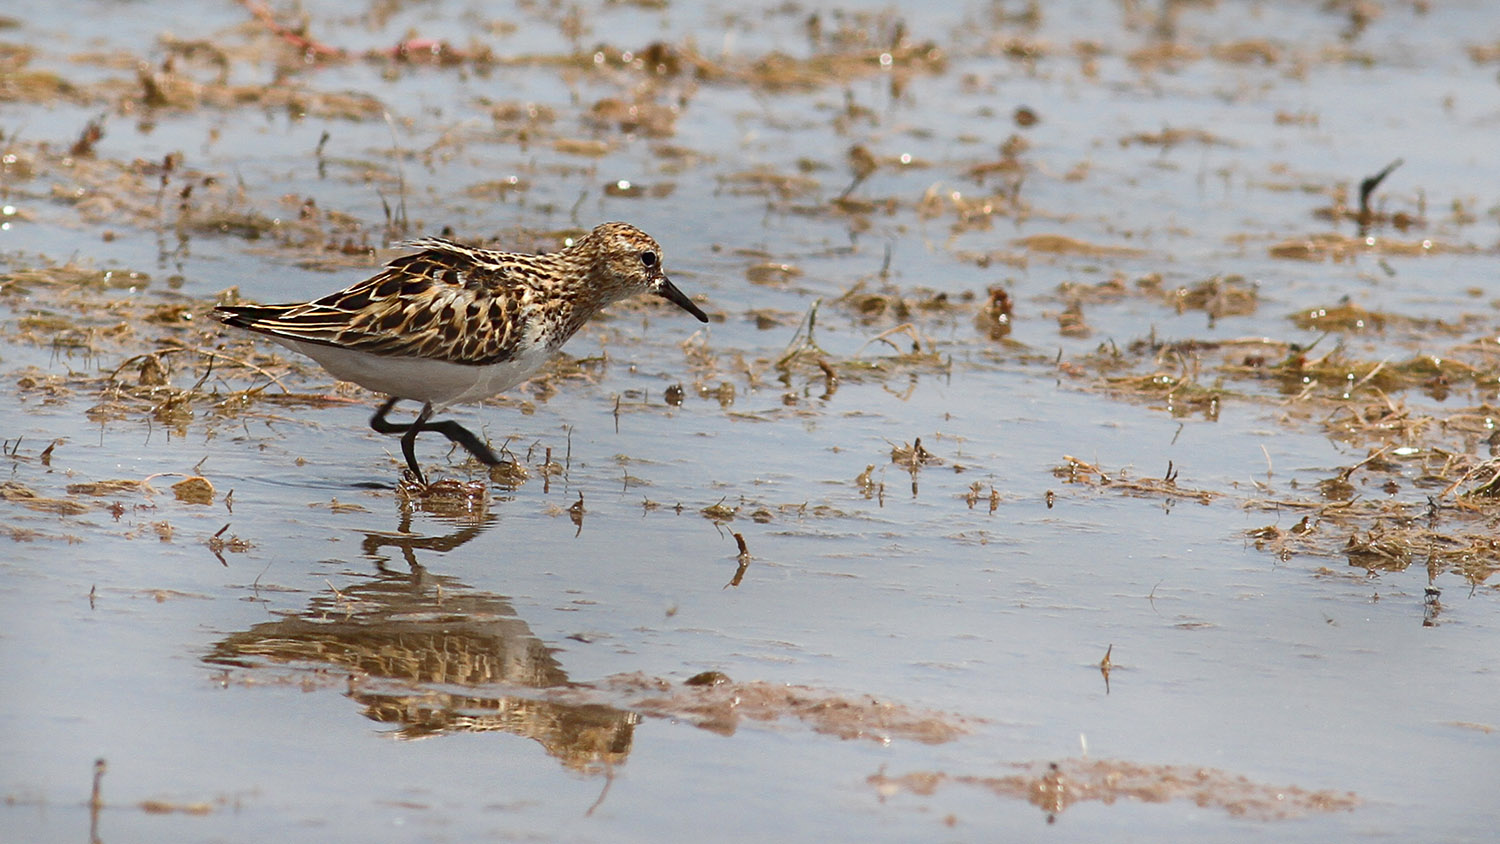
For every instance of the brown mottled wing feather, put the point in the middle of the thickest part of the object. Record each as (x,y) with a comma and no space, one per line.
(445,301)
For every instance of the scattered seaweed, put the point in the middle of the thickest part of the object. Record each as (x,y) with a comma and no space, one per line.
(1054,787)
(1075,471)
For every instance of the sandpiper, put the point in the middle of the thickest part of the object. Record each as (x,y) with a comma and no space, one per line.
(450,323)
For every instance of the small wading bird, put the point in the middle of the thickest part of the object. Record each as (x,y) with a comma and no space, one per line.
(450,323)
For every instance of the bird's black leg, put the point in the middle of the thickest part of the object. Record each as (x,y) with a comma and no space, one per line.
(464,437)
(379,423)
(408,431)
(409,439)
(448,428)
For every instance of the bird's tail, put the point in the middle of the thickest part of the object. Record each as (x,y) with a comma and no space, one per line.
(248,316)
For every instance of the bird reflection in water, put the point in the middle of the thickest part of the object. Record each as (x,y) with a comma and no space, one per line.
(407,638)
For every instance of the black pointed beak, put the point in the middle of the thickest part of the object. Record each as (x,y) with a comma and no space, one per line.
(667,290)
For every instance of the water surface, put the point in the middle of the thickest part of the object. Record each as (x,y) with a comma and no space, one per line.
(913,642)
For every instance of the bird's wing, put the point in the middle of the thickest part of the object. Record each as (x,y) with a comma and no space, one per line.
(445,301)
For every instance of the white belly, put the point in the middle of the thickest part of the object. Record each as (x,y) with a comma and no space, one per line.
(422,379)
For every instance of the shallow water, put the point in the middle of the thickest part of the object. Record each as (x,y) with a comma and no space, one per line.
(309,658)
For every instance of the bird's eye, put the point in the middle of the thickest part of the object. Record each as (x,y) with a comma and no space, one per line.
(648,259)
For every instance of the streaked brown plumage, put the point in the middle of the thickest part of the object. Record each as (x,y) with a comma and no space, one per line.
(451,323)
